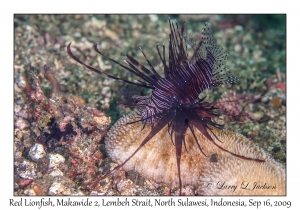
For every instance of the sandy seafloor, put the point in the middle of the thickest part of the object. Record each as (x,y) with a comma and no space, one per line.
(256,45)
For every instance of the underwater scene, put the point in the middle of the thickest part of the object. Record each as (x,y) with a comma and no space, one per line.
(139,105)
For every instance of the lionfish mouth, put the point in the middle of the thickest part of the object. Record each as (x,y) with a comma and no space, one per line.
(174,101)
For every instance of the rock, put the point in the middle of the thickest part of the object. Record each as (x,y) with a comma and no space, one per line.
(153,18)
(22,123)
(63,186)
(57,188)
(29,192)
(126,187)
(36,152)
(106,91)
(27,169)
(56,172)
(55,160)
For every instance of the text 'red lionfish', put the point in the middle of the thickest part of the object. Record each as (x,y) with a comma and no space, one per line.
(175,101)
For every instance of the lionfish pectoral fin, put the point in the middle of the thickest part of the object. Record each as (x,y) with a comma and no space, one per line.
(161,123)
(103,73)
(170,126)
(192,130)
(144,119)
(234,154)
(179,132)
(196,121)
(186,125)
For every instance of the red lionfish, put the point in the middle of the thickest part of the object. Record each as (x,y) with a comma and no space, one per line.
(175,101)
